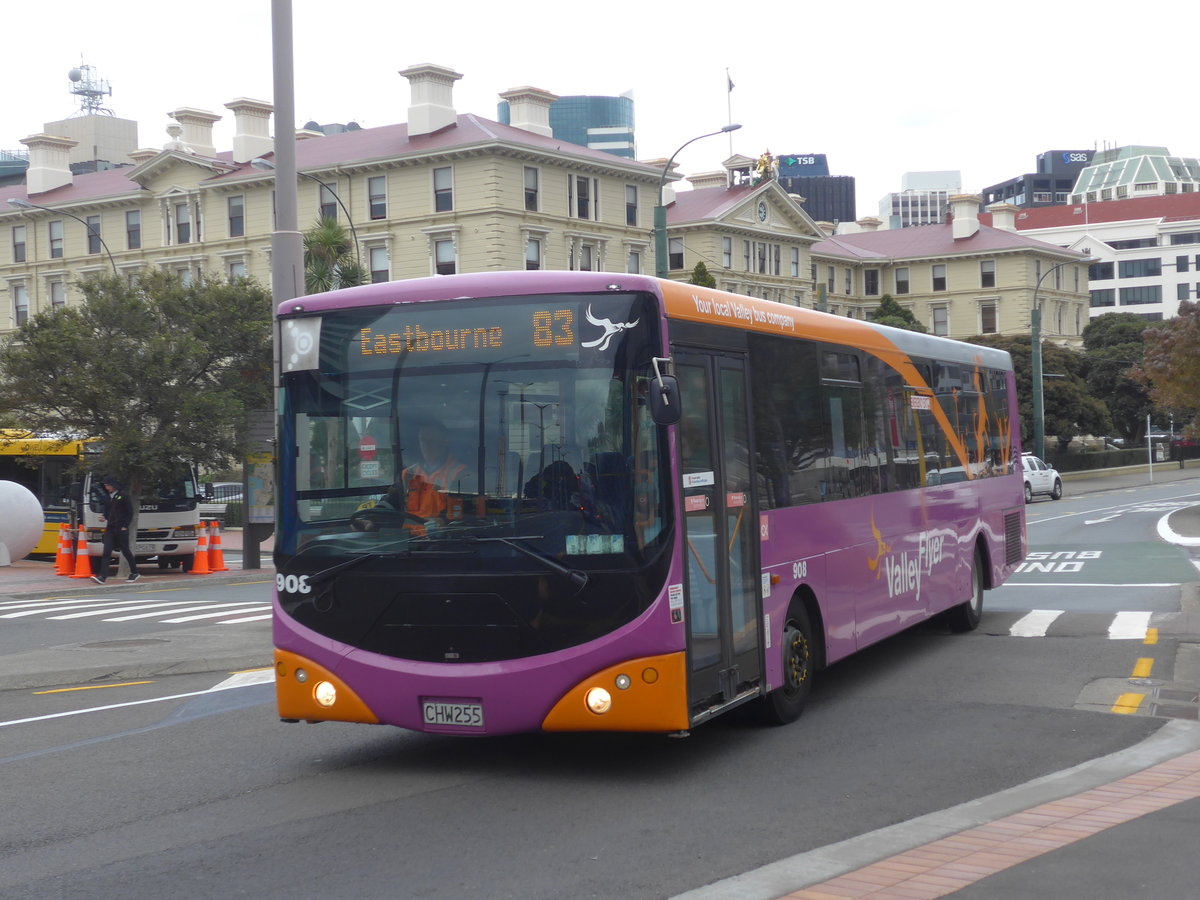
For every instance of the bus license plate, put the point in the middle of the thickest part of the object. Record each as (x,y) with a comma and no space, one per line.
(460,713)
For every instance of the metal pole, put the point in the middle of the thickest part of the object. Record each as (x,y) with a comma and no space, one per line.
(660,212)
(267,166)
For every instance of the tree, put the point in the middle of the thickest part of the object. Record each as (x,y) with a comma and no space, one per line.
(161,370)
(701,276)
(1068,409)
(1171,366)
(889,312)
(1113,350)
(330,261)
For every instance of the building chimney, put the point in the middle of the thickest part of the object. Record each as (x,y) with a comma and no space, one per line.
(432,105)
(197,129)
(49,165)
(709,180)
(1004,216)
(964,210)
(529,108)
(142,154)
(869,223)
(251,128)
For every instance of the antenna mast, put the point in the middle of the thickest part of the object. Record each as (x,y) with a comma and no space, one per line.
(90,90)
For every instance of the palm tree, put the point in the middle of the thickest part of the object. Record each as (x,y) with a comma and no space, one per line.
(330,261)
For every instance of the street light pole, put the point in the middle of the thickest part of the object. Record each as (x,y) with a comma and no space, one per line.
(25,204)
(660,212)
(265,165)
(1035,361)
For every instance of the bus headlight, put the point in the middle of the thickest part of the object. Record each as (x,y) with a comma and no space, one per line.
(325,694)
(598,700)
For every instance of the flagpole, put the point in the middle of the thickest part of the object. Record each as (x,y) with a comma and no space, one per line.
(729,107)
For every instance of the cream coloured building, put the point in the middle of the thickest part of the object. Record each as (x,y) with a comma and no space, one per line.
(959,279)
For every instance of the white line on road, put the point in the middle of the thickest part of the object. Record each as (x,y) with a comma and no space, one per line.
(216,615)
(1129,626)
(1035,623)
(242,679)
(243,605)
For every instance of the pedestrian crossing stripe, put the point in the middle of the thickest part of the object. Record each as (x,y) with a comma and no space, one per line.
(1128,625)
(109,609)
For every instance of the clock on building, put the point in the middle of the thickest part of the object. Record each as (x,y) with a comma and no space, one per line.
(762,210)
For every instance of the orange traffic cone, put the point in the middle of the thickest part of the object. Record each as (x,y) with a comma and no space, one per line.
(64,562)
(200,560)
(83,562)
(216,556)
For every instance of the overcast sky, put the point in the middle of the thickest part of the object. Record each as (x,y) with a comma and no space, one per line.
(881,88)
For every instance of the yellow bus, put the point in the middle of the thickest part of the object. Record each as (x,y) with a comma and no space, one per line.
(48,467)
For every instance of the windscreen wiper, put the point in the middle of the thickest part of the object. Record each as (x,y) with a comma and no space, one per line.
(326,574)
(577,577)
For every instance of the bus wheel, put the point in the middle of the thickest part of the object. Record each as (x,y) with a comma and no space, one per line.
(786,703)
(966,616)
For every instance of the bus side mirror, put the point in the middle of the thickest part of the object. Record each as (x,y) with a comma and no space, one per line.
(664,400)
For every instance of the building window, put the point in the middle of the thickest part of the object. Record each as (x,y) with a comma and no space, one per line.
(849,281)
(760,254)
(634,264)
(18,243)
(675,253)
(796,262)
(1139,268)
(133,229)
(93,234)
(1104,297)
(829,279)
(902,280)
(56,239)
(939,277)
(587,258)
(987,318)
(20,304)
(237,215)
(941,320)
(1135,296)
(871,282)
(58,294)
(183,224)
(531,189)
(377,196)
(1100,271)
(581,193)
(727,252)
(377,259)
(987,273)
(443,257)
(327,205)
(1181,291)
(1181,264)
(443,189)
(746,255)
(533,253)
(631,204)
(237,268)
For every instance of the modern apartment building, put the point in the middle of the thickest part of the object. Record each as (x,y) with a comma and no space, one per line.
(923,199)
(959,279)
(1051,182)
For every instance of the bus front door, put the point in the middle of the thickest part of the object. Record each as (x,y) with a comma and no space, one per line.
(723,602)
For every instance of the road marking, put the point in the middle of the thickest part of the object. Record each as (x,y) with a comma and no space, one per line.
(206,606)
(1098,521)
(1127,704)
(1142,668)
(1151,636)
(215,615)
(1035,623)
(91,687)
(1090,584)
(1129,626)
(118,609)
(242,679)
(246,619)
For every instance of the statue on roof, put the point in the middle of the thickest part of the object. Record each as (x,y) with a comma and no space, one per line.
(766,168)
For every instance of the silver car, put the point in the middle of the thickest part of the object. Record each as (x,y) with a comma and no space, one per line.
(1040,478)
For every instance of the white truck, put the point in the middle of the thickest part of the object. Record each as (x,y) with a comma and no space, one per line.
(167,521)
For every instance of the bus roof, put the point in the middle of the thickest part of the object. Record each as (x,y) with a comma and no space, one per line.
(14,442)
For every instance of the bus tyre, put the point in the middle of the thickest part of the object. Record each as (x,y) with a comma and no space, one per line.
(786,703)
(966,616)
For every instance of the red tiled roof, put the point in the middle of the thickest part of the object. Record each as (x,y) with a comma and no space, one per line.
(1169,207)
(706,203)
(924,241)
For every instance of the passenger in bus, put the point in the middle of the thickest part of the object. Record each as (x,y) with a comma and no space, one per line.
(118,516)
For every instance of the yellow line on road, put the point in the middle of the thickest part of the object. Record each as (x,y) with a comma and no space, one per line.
(1151,636)
(1127,704)
(1143,667)
(93,687)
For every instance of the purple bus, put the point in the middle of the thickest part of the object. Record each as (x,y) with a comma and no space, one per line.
(572,501)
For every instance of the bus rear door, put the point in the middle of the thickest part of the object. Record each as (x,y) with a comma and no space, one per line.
(720,533)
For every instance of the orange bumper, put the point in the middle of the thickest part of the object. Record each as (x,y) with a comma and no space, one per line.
(298,684)
(647,694)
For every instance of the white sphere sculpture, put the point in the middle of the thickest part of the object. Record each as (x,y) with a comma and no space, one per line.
(20,521)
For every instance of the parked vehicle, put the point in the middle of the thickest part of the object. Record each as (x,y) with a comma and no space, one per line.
(217,497)
(1040,478)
